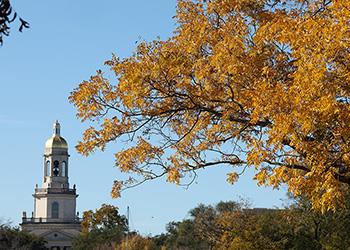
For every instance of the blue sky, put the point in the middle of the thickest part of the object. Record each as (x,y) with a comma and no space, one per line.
(67,42)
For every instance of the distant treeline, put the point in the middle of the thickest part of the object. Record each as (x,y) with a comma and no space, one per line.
(227,225)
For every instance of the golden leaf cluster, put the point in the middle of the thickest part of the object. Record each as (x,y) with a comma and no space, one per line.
(243,83)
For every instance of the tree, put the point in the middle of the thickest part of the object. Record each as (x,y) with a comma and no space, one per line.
(228,225)
(7,16)
(101,229)
(314,230)
(258,83)
(233,225)
(181,235)
(13,238)
(136,242)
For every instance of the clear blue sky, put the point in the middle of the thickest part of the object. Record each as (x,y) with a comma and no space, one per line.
(67,42)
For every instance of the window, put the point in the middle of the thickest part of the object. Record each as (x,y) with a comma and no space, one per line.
(54,210)
(47,168)
(64,165)
(56,168)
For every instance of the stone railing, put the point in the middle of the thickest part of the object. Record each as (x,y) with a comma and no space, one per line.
(55,190)
(32,220)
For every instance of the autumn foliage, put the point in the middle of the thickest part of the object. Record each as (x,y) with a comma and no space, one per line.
(260,84)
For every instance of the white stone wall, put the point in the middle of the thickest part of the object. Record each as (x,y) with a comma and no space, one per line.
(67,206)
(40,208)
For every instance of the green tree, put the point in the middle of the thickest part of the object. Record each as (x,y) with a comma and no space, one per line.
(13,238)
(201,231)
(101,229)
(321,230)
(182,235)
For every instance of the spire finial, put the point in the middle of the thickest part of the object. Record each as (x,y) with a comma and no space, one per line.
(56,128)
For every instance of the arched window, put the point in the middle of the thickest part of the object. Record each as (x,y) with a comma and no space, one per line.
(56,168)
(48,169)
(54,210)
(64,166)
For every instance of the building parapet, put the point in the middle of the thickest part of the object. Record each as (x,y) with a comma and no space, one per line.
(32,220)
(55,190)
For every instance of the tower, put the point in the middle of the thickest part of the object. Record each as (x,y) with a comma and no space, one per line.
(54,217)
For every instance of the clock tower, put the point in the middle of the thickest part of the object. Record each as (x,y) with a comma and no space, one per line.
(54,217)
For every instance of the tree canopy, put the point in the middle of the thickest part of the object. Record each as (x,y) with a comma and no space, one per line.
(13,238)
(260,84)
(234,225)
(227,225)
(103,228)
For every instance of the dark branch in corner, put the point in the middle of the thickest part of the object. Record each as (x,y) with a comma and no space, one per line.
(7,16)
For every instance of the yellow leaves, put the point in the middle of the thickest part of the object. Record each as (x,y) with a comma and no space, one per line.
(110,130)
(279,175)
(174,175)
(87,222)
(129,159)
(332,196)
(258,153)
(262,176)
(136,242)
(116,189)
(254,158)
(328,194)
(86,97)
(90,138)
(236,76)
(177,164)
(232,177)
(322,188)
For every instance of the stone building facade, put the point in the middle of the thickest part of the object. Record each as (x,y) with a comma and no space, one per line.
(54,217)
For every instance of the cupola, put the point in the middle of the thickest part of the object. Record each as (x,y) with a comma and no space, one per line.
(56,141)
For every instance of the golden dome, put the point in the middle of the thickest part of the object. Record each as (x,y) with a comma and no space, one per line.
(56,141)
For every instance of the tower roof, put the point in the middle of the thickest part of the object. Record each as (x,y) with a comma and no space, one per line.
(56,141)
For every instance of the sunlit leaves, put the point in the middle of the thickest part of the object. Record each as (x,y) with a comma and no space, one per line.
(259,83)
(232,177)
